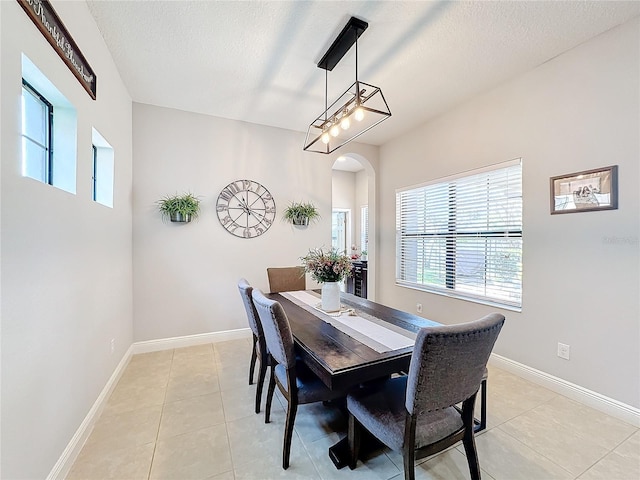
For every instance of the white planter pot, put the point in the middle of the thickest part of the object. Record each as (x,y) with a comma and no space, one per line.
(331,296)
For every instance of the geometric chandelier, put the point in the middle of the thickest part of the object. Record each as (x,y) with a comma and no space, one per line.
(360,108)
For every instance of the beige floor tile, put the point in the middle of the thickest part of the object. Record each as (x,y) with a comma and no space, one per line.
(621,464)
(449,465)
(145,377)
(376,466)
(134,396)
(223,476)
(101,462)
(604,430)
(239,352)
(195,455)
(545,430)
(198,364)
(191,384)
(191,414)
(505,458)
(153,359)
(129,429)
(251,438)
(300,468)
(509,396)
(233,376)
(315,420)
(240,402)
(205,349)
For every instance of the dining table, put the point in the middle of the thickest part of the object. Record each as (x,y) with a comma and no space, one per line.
(362,342)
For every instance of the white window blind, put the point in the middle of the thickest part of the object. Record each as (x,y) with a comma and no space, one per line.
(462,235)
(364,228)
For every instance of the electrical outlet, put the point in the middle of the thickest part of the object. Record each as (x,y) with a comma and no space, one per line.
(419,307)
(564,351)
(113,345)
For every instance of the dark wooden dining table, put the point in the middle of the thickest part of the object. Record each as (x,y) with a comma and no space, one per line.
(341,361)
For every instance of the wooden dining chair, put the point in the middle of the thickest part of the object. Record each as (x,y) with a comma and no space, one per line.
(259,350)
(296,382)
(286,279)
(418,414)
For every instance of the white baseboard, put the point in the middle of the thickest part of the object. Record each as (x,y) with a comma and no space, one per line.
(65,462)
(624,412)
(62,467)
(190,340)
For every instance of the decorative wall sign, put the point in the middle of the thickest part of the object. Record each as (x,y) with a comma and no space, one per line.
(46,19)
(245,208)
(585,191)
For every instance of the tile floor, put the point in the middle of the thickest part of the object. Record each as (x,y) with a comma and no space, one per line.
(188,414)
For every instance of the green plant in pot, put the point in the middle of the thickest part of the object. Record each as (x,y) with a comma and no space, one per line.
(179,208)
(301,213)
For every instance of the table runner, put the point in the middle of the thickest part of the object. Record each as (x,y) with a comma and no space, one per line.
(376,334)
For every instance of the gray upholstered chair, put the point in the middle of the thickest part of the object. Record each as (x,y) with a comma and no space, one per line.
(296,382)
(417,414)
(286,279)
(259,350)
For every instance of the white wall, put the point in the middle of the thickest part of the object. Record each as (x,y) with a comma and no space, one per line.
(581,271)
(185,276)
(66,270)
(343,196)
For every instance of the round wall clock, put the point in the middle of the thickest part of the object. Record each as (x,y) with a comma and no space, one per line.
(245,208)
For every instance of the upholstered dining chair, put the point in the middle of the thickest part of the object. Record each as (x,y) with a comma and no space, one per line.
(296,382)
(417,414)
(259,351)
(286,279)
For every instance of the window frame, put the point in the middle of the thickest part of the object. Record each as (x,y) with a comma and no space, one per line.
(49,133)
(456,224)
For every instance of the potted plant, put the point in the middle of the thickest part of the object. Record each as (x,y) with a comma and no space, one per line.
(328,268)
(179,208)
(300,213)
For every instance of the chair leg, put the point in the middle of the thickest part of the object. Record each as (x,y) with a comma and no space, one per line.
(270,391)
(469,439)
(483,406)
(292,408)
(261,374)
(408,457)
(354,436)
(409,447)
(472,456)
(254,356)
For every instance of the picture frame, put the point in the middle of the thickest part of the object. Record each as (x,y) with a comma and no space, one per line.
(586,191)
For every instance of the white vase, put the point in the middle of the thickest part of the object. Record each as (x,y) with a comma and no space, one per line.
(330,296)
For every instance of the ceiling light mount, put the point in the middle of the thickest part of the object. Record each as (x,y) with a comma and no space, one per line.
(361,107)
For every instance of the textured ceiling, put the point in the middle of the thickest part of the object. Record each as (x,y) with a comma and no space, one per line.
(256,60)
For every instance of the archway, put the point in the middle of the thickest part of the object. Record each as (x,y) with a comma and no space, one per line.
(362,204)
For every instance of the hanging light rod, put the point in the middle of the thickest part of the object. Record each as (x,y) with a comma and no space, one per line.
(343,42)
(360,108)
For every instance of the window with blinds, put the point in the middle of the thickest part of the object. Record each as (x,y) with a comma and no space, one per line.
(462,235)
(364,228)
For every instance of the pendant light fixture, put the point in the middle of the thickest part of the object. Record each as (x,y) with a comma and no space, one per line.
(360,108)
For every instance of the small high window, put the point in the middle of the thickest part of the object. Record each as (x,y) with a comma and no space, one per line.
(37,127)
(49,130)
(102,176)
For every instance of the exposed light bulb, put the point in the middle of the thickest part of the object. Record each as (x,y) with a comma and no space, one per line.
(359,114)
(345,123)
(334,130)
(325,137)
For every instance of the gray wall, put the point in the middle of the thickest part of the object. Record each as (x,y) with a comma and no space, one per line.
(185,276)
(66,271)
(581,276)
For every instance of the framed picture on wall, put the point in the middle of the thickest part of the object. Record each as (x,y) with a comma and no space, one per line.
(585,191)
